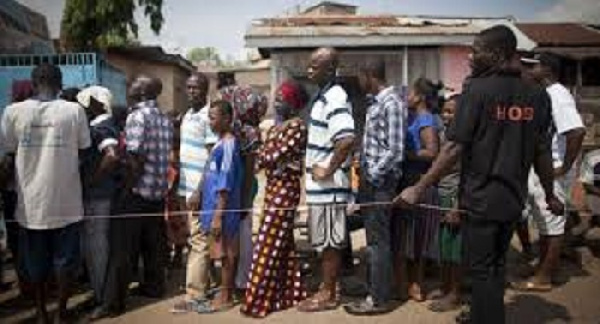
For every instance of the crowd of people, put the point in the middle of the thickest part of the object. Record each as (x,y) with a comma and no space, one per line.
(443,179)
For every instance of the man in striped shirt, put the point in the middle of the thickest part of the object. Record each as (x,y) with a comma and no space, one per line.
(381,161)
(330,142)
(196,139)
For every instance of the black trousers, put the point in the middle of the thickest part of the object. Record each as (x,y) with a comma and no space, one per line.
(131,238)
(486,243)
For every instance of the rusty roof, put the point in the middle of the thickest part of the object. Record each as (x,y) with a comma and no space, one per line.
(372,30)
(561,34)
(360,25)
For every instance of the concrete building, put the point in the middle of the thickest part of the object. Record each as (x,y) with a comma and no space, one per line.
(172,69)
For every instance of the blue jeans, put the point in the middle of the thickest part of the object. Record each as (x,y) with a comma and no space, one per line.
(96,244)
(377,227)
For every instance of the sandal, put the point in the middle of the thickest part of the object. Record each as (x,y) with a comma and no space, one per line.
(320,302)
(530,286)
(209,308)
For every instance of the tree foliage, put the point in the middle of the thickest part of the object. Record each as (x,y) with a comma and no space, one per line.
(209,55)
(96,24)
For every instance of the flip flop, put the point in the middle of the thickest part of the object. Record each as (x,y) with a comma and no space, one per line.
(208,308)
(530,286)
(317,304)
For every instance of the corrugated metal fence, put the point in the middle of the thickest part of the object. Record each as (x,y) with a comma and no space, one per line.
(78,69)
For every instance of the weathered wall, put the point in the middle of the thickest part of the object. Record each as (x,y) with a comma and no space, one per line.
(173,79)
(455,66)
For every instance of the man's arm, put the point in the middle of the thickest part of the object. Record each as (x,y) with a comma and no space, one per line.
(342,149)
(442,166)
(109,162)
(7,169)
(574,142)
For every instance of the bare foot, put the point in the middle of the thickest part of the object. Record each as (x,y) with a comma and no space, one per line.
(415,293)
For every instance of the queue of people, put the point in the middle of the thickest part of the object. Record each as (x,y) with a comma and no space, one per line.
(442,179)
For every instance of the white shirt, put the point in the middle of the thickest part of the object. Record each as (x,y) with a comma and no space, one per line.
(193,153)
(46,137)
(565,117)
(330,120)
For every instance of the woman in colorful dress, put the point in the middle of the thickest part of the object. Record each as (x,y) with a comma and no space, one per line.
(274,280)
(417,239)
(248,108)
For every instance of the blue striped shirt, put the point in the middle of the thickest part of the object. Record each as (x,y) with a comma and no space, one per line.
(330,120)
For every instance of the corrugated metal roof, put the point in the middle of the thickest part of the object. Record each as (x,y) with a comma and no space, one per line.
(352,31)
(561,34)
(152,53)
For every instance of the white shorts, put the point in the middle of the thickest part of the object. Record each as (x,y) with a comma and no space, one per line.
(327,226)
(546,222)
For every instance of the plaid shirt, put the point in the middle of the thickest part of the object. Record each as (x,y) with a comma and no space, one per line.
(149,133)
(383,142)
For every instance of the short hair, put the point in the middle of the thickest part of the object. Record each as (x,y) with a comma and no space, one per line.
(224,107)
(47,74)
(550,61)
(70,94)
(499,39)
(375,69)
(202,79)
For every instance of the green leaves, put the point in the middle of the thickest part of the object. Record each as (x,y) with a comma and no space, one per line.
(96,24)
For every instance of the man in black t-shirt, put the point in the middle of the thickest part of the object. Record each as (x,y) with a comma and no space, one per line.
(501,129)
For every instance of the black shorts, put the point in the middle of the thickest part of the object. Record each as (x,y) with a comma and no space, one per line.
(42,252)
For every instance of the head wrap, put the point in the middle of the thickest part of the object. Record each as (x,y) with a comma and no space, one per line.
(248,105)
(292,95)
(21,90)
(100,94)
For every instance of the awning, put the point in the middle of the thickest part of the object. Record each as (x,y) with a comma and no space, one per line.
(575,53)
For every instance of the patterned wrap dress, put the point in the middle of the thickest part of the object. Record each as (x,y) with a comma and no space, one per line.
(274,281)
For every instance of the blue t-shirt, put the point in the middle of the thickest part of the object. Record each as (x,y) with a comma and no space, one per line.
(223,172)
(416,122)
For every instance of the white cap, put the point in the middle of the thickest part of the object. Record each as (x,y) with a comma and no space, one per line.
(100,94)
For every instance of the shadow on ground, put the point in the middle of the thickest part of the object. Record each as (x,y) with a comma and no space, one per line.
(533,309)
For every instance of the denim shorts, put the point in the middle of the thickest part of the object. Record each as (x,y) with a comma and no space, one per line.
(44,252)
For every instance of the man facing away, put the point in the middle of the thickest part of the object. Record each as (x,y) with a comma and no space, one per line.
(381,160)
(566,146)
(149,136)
(330,142)
(45,135)
(100,186)
(501,128)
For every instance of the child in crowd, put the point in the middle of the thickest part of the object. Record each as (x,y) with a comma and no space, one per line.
(448,298)
(221,201)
